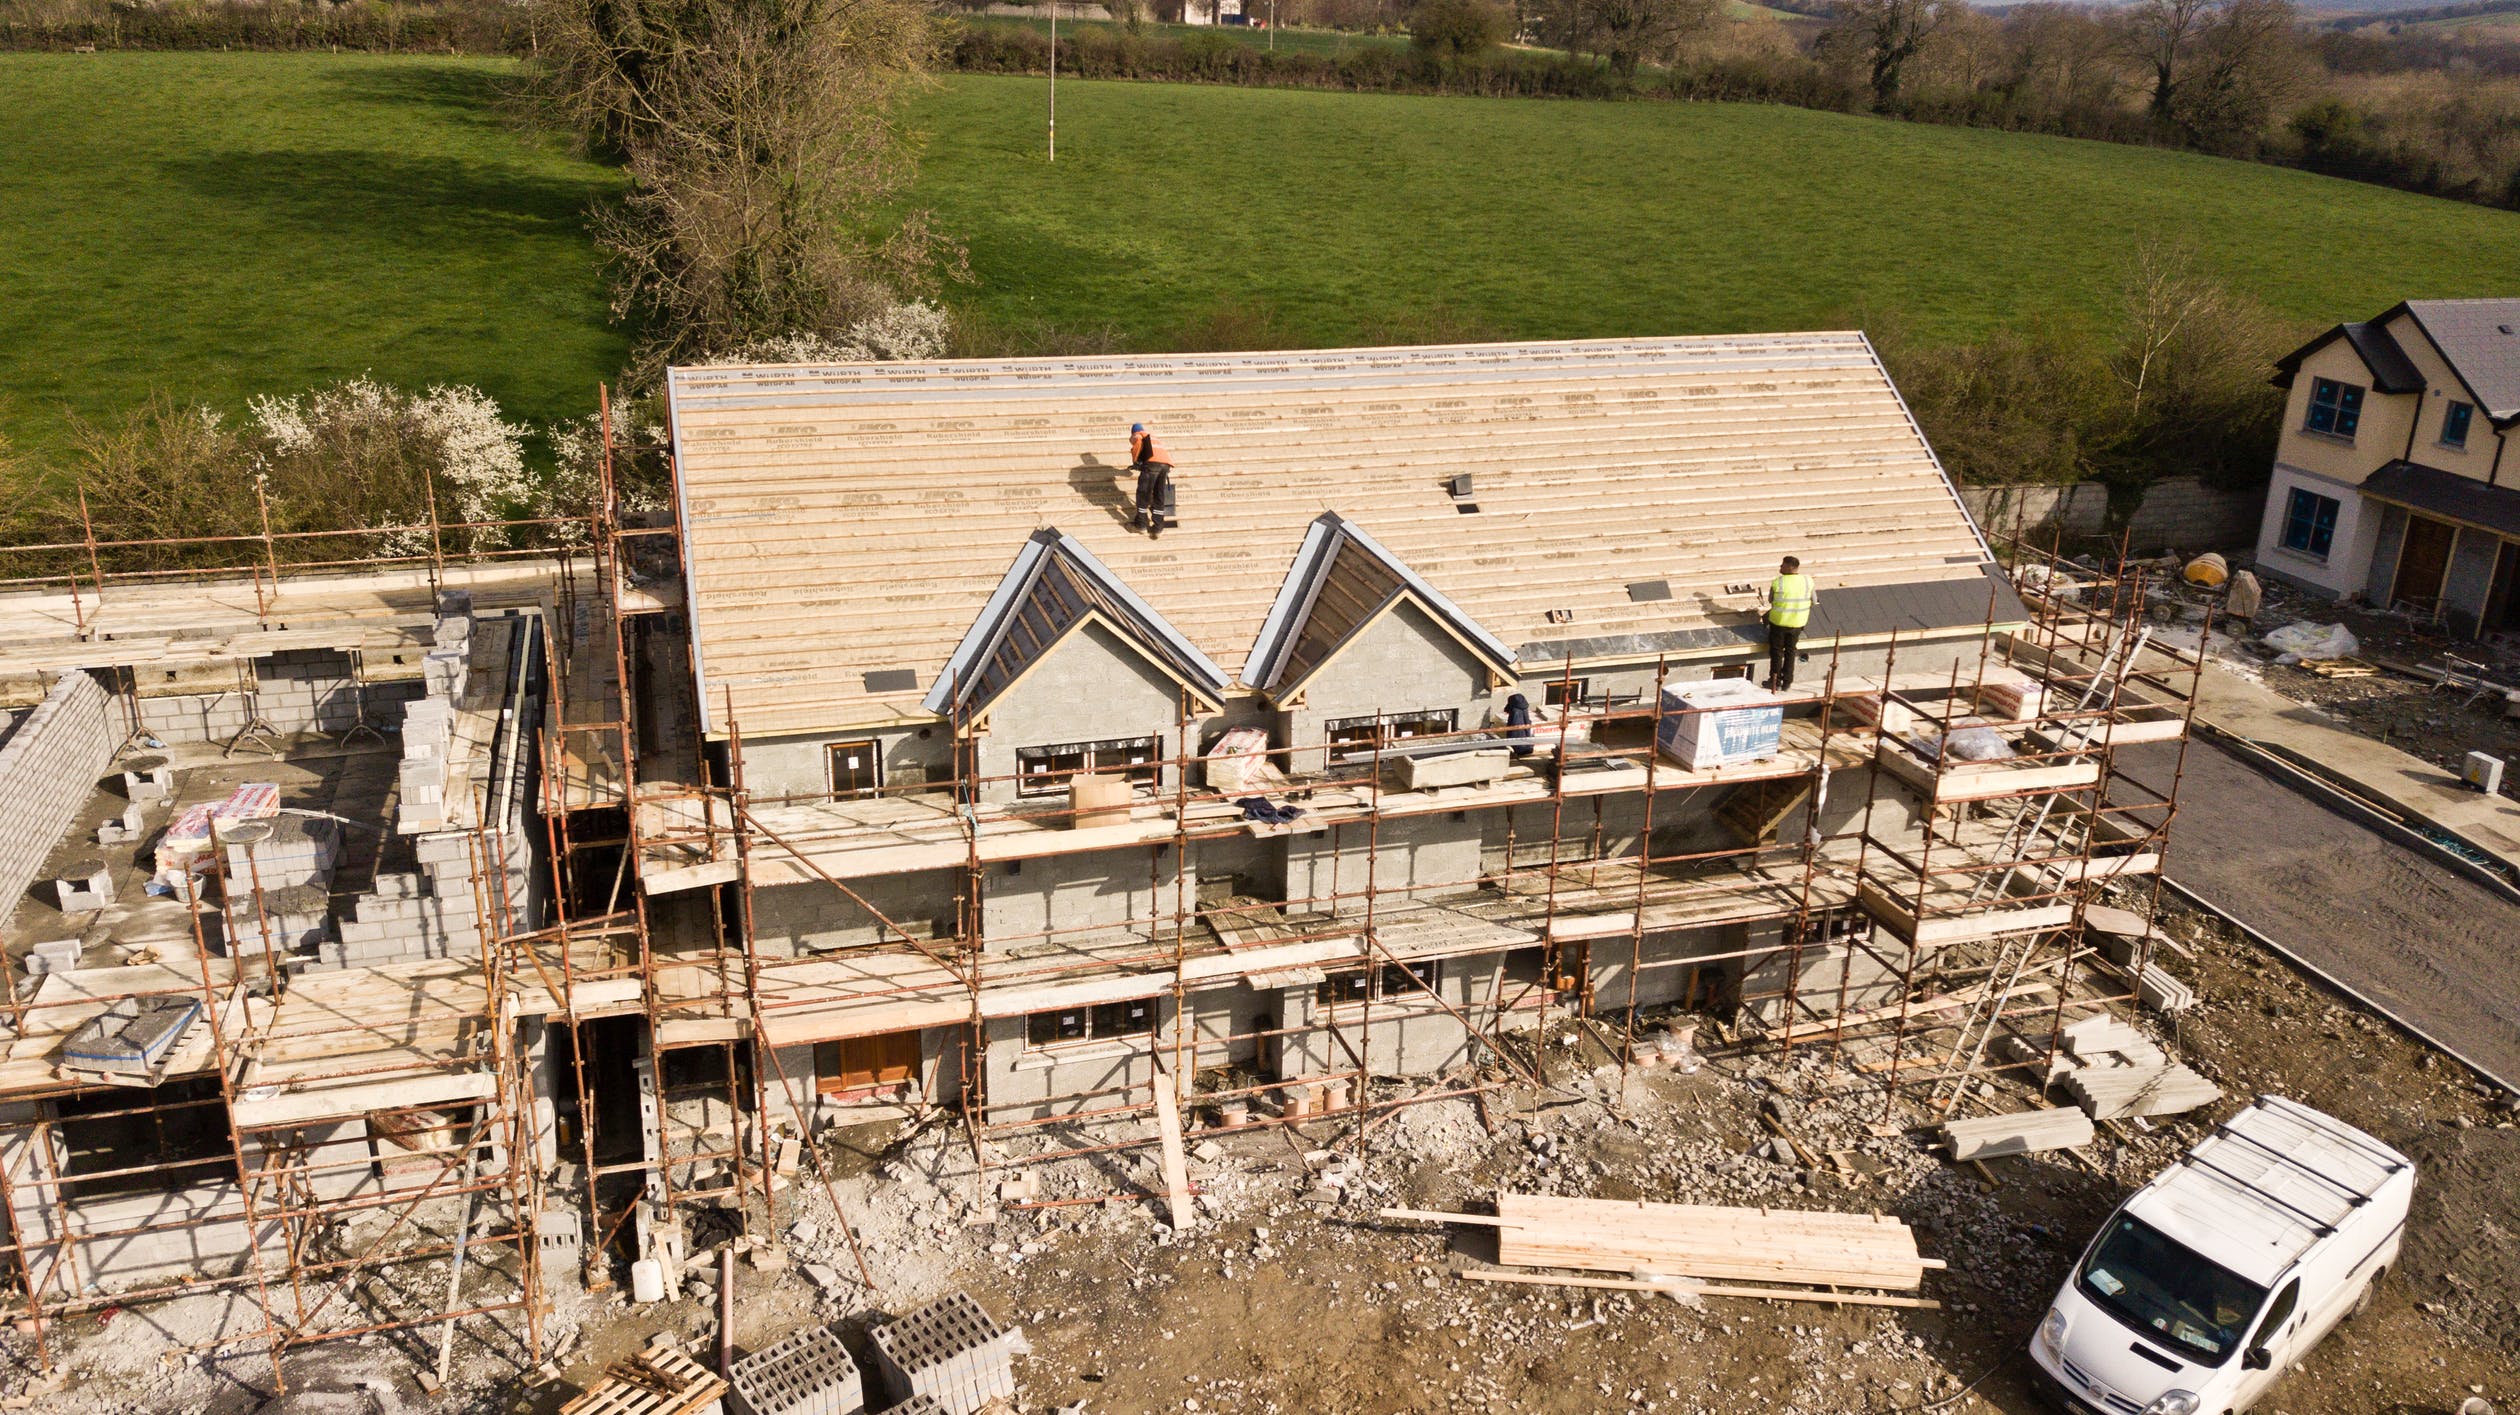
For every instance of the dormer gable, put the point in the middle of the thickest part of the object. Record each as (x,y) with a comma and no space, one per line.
(1055,589)
(1342,582)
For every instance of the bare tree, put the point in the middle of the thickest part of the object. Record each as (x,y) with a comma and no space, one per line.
(2065,55)
(2217,68)
(1884,35)
(1633,32)
(762,147)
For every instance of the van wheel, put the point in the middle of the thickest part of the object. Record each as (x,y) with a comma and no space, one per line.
(2363,1299)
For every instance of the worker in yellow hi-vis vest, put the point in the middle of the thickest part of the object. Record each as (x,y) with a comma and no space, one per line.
(1788,604)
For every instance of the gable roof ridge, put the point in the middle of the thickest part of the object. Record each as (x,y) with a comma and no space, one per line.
(1326,542)
(968,671)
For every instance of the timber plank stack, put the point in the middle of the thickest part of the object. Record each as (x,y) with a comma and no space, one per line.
(1706,1241)
(1986,1137)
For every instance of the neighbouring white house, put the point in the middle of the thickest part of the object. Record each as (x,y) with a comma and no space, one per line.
(2389,475)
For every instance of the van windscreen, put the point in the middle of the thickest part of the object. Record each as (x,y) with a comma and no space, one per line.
(2165,1291)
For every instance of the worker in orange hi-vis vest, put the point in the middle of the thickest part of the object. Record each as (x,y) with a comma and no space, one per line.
(1788,603)
(1153,466)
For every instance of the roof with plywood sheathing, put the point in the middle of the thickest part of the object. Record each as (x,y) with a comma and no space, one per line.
(846,526)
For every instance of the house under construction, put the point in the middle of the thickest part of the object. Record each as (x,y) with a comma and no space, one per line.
(520,906)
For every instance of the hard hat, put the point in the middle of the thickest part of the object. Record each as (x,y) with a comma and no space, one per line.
(1137,427)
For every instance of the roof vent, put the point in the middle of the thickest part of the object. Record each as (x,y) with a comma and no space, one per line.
(1561,616)
(1459,486)
(1644,590)
(892,680)
(2505,328)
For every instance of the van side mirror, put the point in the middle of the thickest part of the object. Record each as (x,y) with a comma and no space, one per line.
(2256,1359)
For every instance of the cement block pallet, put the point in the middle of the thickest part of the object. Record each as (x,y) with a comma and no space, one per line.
(918,1405)
(950,1350)
(807,1372)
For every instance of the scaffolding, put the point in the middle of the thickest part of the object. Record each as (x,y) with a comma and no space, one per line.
(1903,951)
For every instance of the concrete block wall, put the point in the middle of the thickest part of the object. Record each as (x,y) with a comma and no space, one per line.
(451,901)
(1093,687)
(295,696)
(48,767)
(1091,889)
(1403,663)
(790,920)
(1071,1077)
(2182,513)
(1409,856)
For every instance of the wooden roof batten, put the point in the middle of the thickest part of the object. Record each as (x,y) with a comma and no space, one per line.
(851,497)
(1341,583)
(1053,590)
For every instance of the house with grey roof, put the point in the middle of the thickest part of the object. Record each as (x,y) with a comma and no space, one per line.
(2393,478)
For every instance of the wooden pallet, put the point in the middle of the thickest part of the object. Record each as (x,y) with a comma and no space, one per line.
(2348,667)
(661,1380)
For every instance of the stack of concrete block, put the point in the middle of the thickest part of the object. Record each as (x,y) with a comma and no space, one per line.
(559,1246)
(48,766)
(427,767)
(53,955)
(277,851)
(918,1405)
(123,829)
(437,911)
(292,919)
(148,779)
(806,1372)
(2115,1092)
(950,1351)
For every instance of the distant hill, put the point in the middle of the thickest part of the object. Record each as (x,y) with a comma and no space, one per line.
(2458,16)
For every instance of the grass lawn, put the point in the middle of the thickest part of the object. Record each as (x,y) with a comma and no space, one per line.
(216,225)
(222,225)
(1342,213)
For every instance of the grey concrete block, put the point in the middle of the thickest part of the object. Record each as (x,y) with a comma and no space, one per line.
(807,1372)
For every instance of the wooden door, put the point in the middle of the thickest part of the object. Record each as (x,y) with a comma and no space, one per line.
(2422,563)
(861,1063)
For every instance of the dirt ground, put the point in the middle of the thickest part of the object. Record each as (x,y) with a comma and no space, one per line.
(1290,1295)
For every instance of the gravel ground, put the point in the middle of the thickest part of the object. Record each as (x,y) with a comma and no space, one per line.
(2411,933)
(1290,1295)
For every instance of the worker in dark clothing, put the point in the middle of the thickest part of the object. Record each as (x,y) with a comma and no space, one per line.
(1518,724)
(1153,466)
(1788,603)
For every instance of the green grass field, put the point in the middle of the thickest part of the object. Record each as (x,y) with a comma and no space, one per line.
(1344,212)
(220,225)
(216,226)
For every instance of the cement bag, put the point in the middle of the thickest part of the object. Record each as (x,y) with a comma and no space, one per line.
(1238,765)
(2313,641)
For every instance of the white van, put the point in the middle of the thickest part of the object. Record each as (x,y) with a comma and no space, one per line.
(2212,1280)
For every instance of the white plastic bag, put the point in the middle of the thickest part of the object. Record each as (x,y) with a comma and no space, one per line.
(2306,640)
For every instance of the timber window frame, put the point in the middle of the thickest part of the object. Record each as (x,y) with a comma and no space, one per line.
(1095,1022)
(1374,731)
(1046,771)
(856,767)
